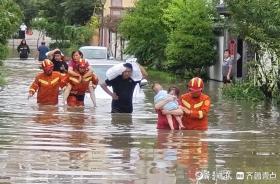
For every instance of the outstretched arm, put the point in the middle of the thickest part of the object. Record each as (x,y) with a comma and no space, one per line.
(106,89)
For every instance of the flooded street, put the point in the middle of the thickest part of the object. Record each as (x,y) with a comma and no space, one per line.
(86,145)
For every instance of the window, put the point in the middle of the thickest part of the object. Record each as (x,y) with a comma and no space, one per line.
(116,13)
(116,3)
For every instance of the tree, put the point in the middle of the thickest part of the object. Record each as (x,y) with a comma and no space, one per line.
(29,8)
(70,23)
(258,22)
(191,39)
(145,31)
(10,17)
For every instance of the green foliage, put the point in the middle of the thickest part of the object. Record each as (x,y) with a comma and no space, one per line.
(257,21)
(10,17)
(3,51)
(173,35)
(67,22)
(243,90)
(2,72)
(146,32)
(78,12)
(191,41)
(29,8)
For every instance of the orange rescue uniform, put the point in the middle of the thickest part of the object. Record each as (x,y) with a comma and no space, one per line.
(199,108)
(48,87)
(78,90)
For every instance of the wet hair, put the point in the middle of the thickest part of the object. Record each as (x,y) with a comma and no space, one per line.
(57,52)
(80,53)
(128,65)
(176,90)
(23,40)
(154,84)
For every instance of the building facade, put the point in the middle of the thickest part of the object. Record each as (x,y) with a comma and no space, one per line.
(109,37)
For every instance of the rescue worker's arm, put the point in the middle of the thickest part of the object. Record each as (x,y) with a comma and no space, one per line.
(34,87)
(88,73)
(104,86)
(202,112)
(177,112)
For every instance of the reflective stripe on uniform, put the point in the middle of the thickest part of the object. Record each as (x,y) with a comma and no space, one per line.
(186,104)
(207,102)
(88,78)
(43,81)
(198,105)
(200,114)
(74,79)
(55,80)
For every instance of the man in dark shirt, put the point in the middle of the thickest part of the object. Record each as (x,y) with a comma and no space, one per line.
(59,65)
(123,87)
(42,50)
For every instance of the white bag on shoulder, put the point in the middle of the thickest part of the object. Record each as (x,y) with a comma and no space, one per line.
(136,72)
(115,71)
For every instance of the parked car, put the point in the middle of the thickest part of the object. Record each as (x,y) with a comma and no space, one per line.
(96,54)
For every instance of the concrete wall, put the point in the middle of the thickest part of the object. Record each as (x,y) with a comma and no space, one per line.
(215,72)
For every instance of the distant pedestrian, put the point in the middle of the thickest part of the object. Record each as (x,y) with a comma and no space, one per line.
(23,49)
(22,31)
(227,67)
(42,50)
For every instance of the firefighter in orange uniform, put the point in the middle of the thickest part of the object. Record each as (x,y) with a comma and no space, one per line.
(47,83)
(79,88)
(195,105)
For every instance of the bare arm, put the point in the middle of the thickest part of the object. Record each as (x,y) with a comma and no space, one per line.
(229,71)
(160,104)
(50,53)
(177,112)
(105,88)
(72,72)
(143,71)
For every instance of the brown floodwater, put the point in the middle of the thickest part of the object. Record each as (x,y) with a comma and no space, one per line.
(47,144)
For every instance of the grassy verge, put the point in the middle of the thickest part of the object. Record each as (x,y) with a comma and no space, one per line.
(2,80)
(162,76)
(243,91)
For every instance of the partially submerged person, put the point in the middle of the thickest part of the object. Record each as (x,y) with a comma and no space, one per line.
(123,87)
(167,102)
(47,84)
(23,49)
(195,105)
(76,95)
(57,58)
(73,71)
(42,50)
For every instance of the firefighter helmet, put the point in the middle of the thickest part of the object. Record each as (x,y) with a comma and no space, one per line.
(47,65)
(196,84)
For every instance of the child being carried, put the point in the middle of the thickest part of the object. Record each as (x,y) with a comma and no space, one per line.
(170,106)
